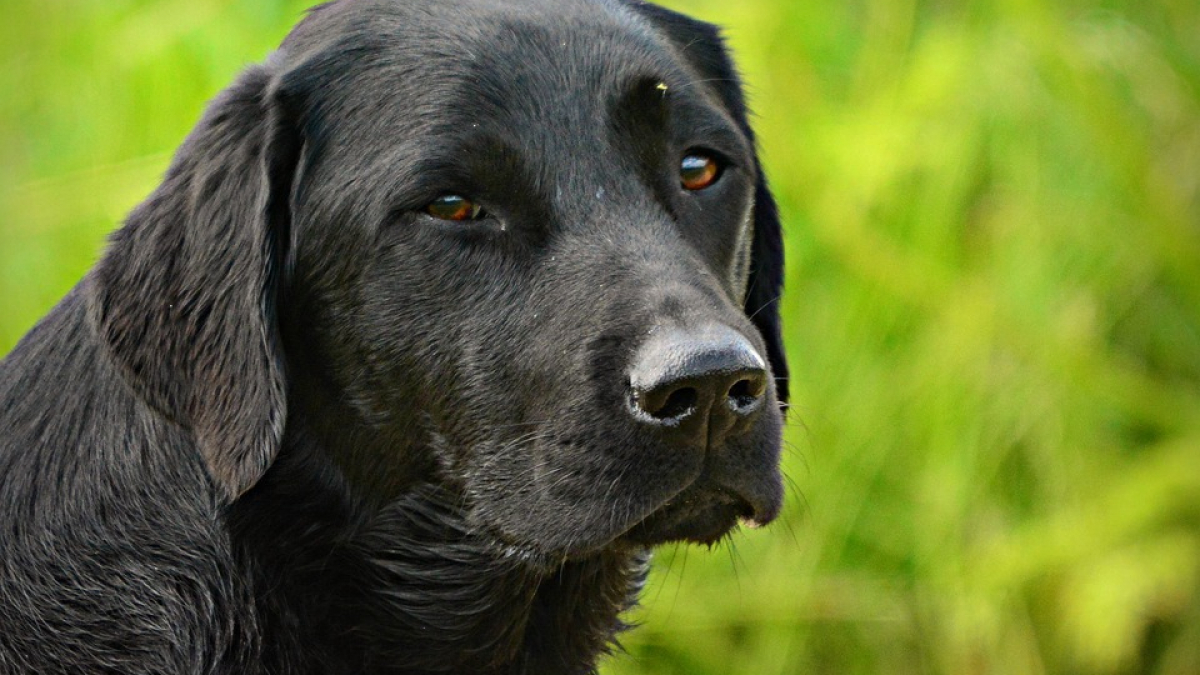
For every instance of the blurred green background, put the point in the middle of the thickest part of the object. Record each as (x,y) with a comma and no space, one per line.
(993,312)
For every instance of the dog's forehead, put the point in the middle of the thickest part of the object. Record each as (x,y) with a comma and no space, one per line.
(558,85)
(514,57)
(451,18)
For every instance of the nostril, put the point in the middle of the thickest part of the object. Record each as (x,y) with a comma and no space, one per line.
(678,404)
(745,394)
(672,404)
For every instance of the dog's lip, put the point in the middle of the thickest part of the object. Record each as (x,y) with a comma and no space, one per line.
(700,516)
(701,513)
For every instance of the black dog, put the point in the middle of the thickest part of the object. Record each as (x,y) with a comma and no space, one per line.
(439,321)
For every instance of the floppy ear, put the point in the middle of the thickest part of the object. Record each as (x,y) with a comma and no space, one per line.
(185,295)
(701,46)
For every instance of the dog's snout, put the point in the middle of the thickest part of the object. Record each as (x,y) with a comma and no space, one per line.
(697,386)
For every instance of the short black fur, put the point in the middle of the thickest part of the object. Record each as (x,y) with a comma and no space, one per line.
(291,423)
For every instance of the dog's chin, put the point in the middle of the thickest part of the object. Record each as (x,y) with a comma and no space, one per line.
(698,516)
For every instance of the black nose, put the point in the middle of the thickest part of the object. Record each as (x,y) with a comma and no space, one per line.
(698,386)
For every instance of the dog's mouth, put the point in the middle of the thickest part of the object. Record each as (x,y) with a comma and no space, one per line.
(568,501)
(703,513)
(699,515)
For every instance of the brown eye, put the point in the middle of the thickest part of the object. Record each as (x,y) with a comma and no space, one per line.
(698,171)
(453,207)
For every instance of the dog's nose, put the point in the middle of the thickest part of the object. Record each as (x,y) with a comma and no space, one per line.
(697,386)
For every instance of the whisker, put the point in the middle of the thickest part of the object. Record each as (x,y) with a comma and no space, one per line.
(731,549)
(766,305)
(679,579)
(520,424)
(699,81)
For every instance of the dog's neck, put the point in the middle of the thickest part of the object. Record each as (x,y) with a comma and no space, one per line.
(411,588)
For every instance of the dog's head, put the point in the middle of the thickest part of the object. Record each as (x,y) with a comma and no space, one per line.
(525,246)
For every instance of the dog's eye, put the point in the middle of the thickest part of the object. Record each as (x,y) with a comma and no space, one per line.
(698,171)
(454,207)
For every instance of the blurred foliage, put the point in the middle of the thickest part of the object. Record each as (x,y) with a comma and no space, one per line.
(993,312)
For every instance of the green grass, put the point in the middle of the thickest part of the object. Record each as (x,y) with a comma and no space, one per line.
(993,313)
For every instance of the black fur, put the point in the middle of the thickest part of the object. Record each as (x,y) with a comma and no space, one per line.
(292,424)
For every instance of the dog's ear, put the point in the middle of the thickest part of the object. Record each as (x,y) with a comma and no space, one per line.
(185,296)
(701,46)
